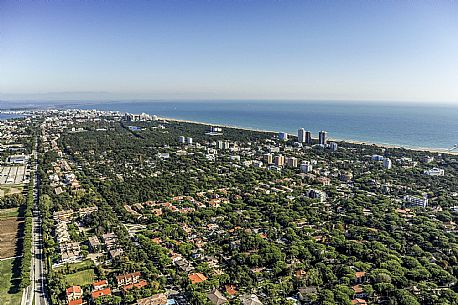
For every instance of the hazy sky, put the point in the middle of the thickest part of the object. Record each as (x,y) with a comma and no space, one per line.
(366,50)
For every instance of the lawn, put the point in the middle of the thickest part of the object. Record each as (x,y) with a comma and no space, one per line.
(9,213)
(67,268)
(8,297)
(81,278)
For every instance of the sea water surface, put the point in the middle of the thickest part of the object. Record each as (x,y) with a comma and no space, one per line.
(6,116)
(407,125)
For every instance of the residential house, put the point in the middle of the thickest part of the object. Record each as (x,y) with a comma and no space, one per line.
(139,285)
(94,243)
(359,292)
(99,293)
(100,284)
(183,265)
(196,278)
(110,240)
(230,290)
(360,277)
(250,299)
(129,278)
(305,294)
(358,302)
(74,293)
(116,252)
(216,297)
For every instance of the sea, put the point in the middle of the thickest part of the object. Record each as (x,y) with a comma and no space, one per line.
(406,125)
(6,116)
(387,123)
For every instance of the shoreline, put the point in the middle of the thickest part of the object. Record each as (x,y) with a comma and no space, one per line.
(356,142)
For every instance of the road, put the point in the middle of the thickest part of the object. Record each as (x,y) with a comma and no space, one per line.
(38,273)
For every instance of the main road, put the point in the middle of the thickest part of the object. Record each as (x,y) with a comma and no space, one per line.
(38,272)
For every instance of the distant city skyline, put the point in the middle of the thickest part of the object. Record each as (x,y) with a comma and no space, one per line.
(292,50)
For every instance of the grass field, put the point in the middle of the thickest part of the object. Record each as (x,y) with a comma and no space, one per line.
(9,190)
(6,285)
(9,213)
(82,278)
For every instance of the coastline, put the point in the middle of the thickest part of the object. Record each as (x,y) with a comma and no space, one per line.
(380,145)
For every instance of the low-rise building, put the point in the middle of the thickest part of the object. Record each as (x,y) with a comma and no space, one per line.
(416,201)
(434,172)
(196,278)
(74,293)
(99,293)
(128,278)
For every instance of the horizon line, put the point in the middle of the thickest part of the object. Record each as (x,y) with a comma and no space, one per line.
(115,100)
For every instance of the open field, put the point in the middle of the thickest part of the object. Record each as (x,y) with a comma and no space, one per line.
(9,292)
(10,228)
(10,190)
(82,278)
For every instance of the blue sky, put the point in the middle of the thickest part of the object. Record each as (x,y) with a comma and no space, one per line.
(349,50)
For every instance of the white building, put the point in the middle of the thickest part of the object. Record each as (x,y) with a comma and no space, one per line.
(416,201)
(257,163)
(219,144)
(18,159)
(427,159)
(301,135)
(291,162)
(215,129)
(434,172)
(268,158)
(387,163)
(306,167)
(322,137)
(189,140)
(317,194)
(283,136)
(181,140)
(377,158)
(235,158)
(333,146)
(279,160)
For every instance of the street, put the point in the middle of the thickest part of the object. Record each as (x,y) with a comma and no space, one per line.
(38,273)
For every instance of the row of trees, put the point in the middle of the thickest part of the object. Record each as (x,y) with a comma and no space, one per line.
(26,260)
(12,201)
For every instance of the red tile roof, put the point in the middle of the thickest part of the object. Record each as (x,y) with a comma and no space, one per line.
(357,288)
(76,302)
(230,289)
(100,283)
(127,276)
(360,274)
(98,293)
(156,240)
(138,285)
(197,278)
(73,289)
